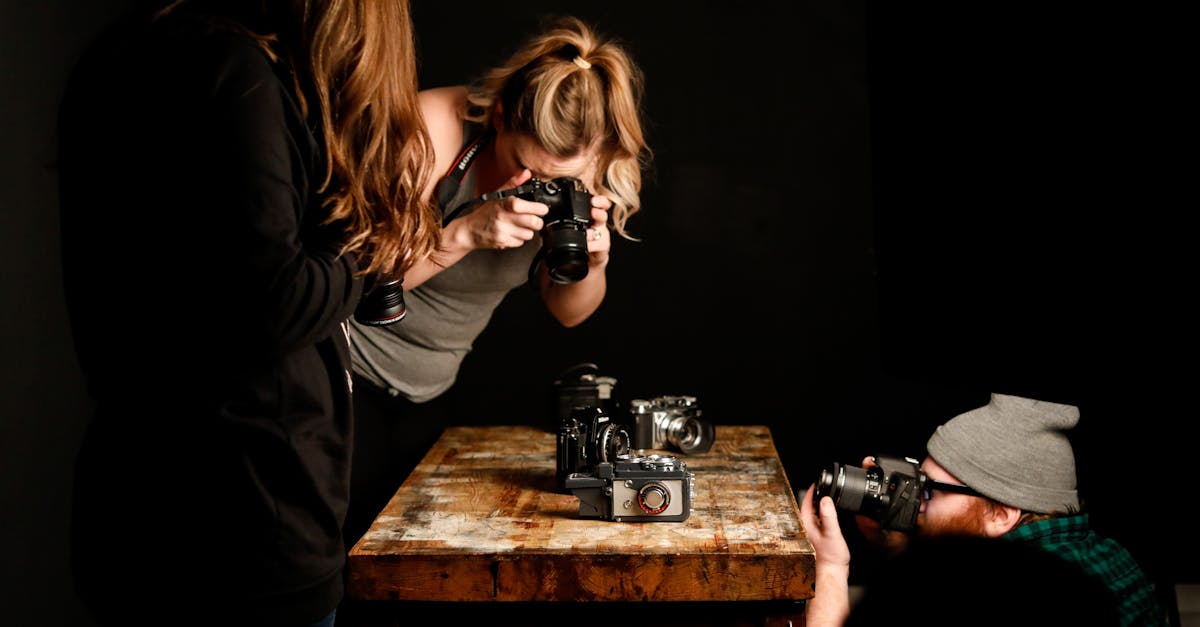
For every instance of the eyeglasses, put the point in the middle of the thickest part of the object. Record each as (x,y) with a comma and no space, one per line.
(931,485)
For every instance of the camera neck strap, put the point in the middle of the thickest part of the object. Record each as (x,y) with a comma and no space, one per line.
(447,187)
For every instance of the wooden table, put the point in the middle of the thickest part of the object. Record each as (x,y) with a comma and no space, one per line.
(481,518)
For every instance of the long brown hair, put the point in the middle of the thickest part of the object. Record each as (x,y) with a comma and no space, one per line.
(357,59)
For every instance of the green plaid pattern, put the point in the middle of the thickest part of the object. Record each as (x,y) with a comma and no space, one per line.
(1070,538)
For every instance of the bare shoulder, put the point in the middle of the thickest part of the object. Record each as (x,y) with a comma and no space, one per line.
(443,109)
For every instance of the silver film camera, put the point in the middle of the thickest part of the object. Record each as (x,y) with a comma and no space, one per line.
(632,488)
(671,422)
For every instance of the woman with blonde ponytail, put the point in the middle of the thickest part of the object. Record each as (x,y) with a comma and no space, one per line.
(231,171)
(566,103)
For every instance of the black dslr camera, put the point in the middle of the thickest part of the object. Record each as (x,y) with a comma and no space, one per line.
(594,464)
(888,492)
(564,232)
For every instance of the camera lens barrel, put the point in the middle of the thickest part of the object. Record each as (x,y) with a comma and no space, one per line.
(564,235)
(565,244)
(846,485)
(671,421)
(689,434)
(611,441)
(382,305)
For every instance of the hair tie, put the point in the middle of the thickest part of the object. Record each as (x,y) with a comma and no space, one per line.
(581,62)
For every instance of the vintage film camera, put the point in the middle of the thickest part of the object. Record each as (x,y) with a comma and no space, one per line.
(564,230)
(582,385)
(671,422)
(594,464)
(632,488)
(661,423)
(587,438)
(888,492)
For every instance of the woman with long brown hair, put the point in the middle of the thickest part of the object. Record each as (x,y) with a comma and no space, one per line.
(230,171)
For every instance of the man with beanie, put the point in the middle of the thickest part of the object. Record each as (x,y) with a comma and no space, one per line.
(1016,471)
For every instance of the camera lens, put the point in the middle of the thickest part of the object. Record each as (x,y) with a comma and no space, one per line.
(613,440)
(565,245)
(382,305)
(690,434)
(846,485)
(883,492)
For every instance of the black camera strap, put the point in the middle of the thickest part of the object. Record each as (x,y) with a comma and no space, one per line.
(447,188)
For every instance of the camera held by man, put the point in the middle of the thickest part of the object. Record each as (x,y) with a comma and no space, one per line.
(888,492)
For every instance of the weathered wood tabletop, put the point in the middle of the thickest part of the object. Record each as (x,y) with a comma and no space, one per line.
(481,519)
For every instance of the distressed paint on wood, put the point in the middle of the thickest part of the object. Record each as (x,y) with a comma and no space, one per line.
(481,519)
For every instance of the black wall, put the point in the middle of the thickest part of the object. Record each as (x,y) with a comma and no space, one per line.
(860,220)
(1030,237)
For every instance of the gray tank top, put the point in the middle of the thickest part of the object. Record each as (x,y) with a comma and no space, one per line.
(419,356)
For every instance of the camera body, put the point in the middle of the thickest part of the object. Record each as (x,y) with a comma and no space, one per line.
(586,439)
(671,422)
(631,488)
(888,492)
(564,230)
(582,385)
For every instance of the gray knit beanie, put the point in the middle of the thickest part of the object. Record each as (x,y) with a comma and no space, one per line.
(1013,450)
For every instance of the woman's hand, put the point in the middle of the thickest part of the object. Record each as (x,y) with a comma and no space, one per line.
(503,223)
(599,240)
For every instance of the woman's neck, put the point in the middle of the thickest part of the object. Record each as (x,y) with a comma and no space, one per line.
(487,177)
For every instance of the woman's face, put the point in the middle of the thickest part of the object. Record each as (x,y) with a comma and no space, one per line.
(516,152)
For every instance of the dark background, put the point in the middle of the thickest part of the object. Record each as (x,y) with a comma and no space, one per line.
(860,219)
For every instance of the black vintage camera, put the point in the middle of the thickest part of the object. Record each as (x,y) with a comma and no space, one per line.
(582,385)
(586,439)
(564,231)
(671,422)
(631,488)
(888,492)
(382,303)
